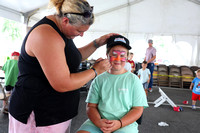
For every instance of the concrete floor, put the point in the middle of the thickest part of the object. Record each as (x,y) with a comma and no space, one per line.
(187,121)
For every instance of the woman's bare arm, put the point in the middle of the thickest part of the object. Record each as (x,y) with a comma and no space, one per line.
(47,46)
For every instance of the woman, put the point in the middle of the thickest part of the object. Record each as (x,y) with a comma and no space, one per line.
(45,98)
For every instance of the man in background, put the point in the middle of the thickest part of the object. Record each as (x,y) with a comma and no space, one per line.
(150,57)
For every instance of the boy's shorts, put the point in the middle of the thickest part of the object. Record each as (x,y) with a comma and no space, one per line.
(145,85)
(90,127)
(195,96)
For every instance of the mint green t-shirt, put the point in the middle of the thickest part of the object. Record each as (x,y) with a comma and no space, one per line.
(116,94)
(11,72)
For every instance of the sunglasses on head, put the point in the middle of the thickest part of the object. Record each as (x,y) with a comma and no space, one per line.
(86,14)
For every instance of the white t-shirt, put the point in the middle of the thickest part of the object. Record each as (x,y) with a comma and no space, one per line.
(144,75)
(128,66)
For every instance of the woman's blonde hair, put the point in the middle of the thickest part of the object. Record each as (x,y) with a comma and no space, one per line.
(66,8)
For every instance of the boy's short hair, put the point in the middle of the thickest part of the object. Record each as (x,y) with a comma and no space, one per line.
(198,71)
(144,62)
(131,53)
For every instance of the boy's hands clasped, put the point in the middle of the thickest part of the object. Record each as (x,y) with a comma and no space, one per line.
(108,126)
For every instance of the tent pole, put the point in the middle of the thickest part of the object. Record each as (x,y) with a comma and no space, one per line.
(128,17)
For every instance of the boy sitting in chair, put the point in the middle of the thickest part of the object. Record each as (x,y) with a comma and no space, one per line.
(116,98)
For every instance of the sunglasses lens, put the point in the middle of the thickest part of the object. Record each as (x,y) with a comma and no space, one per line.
(87,14)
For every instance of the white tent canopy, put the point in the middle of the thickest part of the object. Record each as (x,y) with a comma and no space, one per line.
(173,25)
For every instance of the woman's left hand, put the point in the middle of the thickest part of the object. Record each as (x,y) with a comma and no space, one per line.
(103,39)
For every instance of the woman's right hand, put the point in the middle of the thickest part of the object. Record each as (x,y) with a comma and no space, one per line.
(101,65)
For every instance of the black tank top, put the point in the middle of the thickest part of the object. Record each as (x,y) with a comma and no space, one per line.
(33,92)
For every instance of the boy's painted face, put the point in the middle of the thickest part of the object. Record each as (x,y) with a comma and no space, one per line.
(118,55)
(198,75)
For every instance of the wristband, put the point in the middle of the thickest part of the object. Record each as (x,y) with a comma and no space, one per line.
(94,71)
(95,44)
(121,123)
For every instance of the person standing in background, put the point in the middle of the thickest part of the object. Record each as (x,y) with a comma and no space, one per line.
(195,87)
(150,57)
(130,60)
(11,71)
(144,74)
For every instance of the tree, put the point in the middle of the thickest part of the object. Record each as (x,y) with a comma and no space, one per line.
(12,29)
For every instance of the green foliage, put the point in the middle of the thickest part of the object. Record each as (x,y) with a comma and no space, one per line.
(12,29)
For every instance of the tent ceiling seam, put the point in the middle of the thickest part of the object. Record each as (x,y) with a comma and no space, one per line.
(195,1)
(10,10)
(118,7)
(128,16)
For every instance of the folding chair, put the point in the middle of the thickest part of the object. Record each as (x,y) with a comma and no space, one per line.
(163,79)
(174,76)
(187,76)
(163,98)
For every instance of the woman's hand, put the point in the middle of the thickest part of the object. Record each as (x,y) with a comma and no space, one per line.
(101,65)
(103,39)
